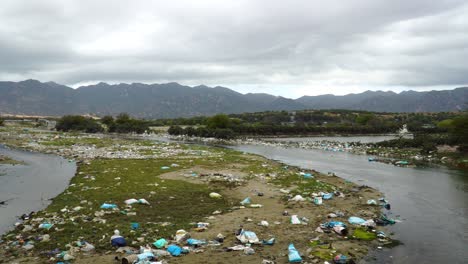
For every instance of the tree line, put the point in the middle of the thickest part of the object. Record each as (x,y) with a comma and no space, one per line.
(123,123)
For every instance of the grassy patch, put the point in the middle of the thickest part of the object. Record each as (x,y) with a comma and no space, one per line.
(362,234)
(173,202)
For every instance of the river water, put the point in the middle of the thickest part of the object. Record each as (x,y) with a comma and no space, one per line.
(431,202)
(29,187)
(362,139)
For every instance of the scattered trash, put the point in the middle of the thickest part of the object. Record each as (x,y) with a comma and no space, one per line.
(134,226)
(249,251)
(160,243)
(340,259)
(295,220)
(293,254)
(327,196)
(318,200)
(46,226)
(371,202)
(369,223)
(108,206)
(215,195)
(269,242)
(174,250)
(356,220)
(165,168)
(383,220)
(246,201)
(181,236)
(195,242)
(247,237)
(264,223)
(117,240)
(297,198)
(256,206)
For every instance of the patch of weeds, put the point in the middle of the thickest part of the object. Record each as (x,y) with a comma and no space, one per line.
(362,234)
(174,201)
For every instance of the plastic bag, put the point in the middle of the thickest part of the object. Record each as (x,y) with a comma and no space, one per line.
(160,243)
(356,220)
(293,254)
(174,250)
(295,220)
(246,201)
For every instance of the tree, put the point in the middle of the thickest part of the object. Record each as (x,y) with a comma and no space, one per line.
(175,130)
(78,123)
(2,122)
(107,120)
(218,121)
(459,132)
(125,124)
(364,119)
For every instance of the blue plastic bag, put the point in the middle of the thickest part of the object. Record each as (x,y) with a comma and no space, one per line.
(108,206)
(356,220)
(174,250)
(195,242)
(269,242)
(327,196)
(293,254)
(246,201)
(118,242)
(145,256)
(334,223)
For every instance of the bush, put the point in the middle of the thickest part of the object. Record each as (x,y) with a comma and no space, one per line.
(78,123)
(175,130)
(125,124)
(2,122)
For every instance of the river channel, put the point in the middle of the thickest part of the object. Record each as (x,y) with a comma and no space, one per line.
(432,203)
(29,187)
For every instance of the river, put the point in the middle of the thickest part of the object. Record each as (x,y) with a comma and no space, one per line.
(362,139)
(29,187)
(431,202)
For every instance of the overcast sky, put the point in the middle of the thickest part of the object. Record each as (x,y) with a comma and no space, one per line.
(289,48)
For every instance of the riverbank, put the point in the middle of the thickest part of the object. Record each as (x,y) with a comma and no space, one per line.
(401,157)
(176,180)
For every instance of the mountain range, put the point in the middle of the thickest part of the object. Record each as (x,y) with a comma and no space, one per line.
(169,100)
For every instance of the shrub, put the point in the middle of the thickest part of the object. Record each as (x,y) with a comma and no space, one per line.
(78,123)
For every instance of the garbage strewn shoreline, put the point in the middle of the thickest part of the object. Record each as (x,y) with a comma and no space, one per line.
(288,203)
(394,156)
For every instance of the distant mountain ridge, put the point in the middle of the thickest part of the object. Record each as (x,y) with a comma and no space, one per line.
(169,100)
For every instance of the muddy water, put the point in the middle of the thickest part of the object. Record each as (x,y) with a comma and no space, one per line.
(29,187)
(432,202)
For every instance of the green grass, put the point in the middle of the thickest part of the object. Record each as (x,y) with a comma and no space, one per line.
(362,234)
(177,202)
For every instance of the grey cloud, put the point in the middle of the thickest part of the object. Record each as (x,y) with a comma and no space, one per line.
(371,43)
